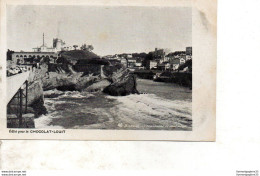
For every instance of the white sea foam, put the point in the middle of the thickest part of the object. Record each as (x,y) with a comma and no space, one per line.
(150,109)
(76,94)
(141,111)
(54,91)
(43,122)
(151,104)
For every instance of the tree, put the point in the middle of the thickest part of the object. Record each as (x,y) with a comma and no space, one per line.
(90,47)
(83,47)
(75,47)
(147,58)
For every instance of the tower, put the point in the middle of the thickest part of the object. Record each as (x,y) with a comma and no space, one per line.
(43,39)
(43,47)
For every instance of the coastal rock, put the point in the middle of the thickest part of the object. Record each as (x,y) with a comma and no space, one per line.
(36,99)
(35,92)
(123,84)
(98,86)
(38,107)
(28,120)
(86,72)
(54,80)
(68,82)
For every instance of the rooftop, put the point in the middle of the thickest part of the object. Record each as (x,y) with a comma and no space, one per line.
(32,52)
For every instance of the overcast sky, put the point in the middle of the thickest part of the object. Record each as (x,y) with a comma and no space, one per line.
(110,30)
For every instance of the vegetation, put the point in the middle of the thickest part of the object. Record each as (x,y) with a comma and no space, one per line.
(85,47)
(75,47)
(176,53)
(79,55)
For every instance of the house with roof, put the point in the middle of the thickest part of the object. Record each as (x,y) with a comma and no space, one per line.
(163,66)
(151,64)
(175,63)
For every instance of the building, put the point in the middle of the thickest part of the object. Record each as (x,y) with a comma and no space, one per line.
(59,45)
(20,57)
(129,56)
(56,46)
(131,62)
(175,63)
(123,61)
(188,57)
(188,50)
(39,52)
(182,59)
(165,59)
(158,54)
(139,62)
(152,64)
(164,66)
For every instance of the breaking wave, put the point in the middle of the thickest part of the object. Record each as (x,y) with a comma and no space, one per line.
(84,110)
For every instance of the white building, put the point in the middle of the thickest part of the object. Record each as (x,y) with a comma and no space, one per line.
(39,52)
(152,64)
(182,61)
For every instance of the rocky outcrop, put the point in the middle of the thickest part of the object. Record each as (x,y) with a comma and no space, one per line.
(98,86)
(70,82)
(36,99)
(112,79)
(123,83)
(35,92)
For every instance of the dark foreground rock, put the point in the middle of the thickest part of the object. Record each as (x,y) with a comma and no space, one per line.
(122,84)
(36,99)
(38,107)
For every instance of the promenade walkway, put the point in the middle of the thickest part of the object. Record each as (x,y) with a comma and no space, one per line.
(14,83)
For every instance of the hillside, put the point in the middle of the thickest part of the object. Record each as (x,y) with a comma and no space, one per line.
(79,55)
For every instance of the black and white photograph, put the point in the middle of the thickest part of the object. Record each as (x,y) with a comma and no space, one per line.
(129,87)
(99,67)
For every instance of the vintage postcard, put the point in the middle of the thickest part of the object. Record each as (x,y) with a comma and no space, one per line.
(112,70)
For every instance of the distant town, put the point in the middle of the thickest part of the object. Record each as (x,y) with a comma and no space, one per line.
(157,60)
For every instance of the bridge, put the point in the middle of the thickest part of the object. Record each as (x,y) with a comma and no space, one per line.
(17,97)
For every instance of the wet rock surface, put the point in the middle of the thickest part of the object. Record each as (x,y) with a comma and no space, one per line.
(123,83)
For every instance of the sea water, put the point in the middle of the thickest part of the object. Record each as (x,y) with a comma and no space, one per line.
(160,106)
